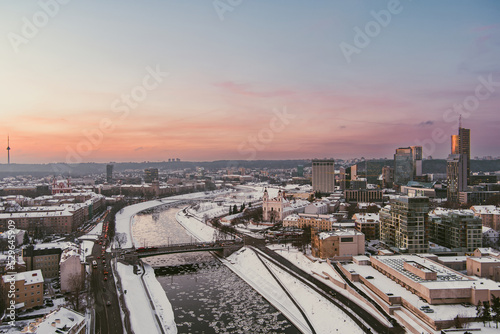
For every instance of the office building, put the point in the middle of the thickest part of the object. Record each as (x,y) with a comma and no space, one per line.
(464,148)
(346,176)
(458,230)
(323,175)
(387,177)
(458,164)
(456,175)
(368,224)
(300,171)
(404,224)
(150,174)
(407,164)
(44,257)
(109,173)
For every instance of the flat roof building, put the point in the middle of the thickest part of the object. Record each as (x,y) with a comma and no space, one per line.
(323,175)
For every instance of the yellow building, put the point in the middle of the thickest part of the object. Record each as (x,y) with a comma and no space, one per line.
(27,287)
(302,220)
(340,243)
(45,257)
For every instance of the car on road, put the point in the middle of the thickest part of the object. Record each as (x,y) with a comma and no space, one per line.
(425,307)
(369,277)
(108,303)
(105,278)
(428,310)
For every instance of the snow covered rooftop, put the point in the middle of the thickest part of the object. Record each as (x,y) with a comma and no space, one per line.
(51,245)
(59,321)
(30,277)
(444,274)
(484,209)
(342,233)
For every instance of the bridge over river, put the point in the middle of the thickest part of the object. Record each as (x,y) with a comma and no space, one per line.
(223,248)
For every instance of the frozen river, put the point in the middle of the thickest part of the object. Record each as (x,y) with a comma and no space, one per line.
(206,296)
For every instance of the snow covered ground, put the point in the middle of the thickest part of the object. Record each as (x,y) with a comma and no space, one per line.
(300,260)
(198,229)
(318,268)
(142,315)
(159,298)
(325,317)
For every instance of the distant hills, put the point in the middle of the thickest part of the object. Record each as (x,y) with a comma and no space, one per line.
(77,170)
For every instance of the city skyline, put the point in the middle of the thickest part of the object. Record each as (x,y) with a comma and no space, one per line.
(256,80)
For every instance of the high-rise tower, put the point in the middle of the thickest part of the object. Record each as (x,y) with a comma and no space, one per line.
(109,173)
(8,150)
(323,175)
(458,163)
(407,164)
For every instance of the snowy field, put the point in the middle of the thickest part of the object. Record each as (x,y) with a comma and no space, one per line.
(162,305)
(246,264)
(142,315)
(318,268)
(300,260)
(198,229)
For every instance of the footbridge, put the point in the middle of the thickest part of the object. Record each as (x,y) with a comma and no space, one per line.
(223,248)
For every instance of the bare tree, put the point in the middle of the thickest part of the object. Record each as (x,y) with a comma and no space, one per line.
(76,285)
(120,238)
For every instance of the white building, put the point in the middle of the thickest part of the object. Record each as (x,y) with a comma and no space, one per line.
(72,269)
(490,236)
(317,208)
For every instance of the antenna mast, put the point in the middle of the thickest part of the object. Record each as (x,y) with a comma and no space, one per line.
(8,150)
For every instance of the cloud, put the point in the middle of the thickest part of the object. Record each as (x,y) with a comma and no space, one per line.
(426,123)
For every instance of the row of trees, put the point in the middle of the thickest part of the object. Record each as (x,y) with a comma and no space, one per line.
(487,312)
(234,209)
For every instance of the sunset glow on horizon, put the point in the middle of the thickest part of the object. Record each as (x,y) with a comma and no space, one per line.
(129,81)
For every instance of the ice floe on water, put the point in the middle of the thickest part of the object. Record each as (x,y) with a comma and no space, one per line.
(214,300)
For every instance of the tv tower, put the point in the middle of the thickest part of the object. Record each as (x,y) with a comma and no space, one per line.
(8,150)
